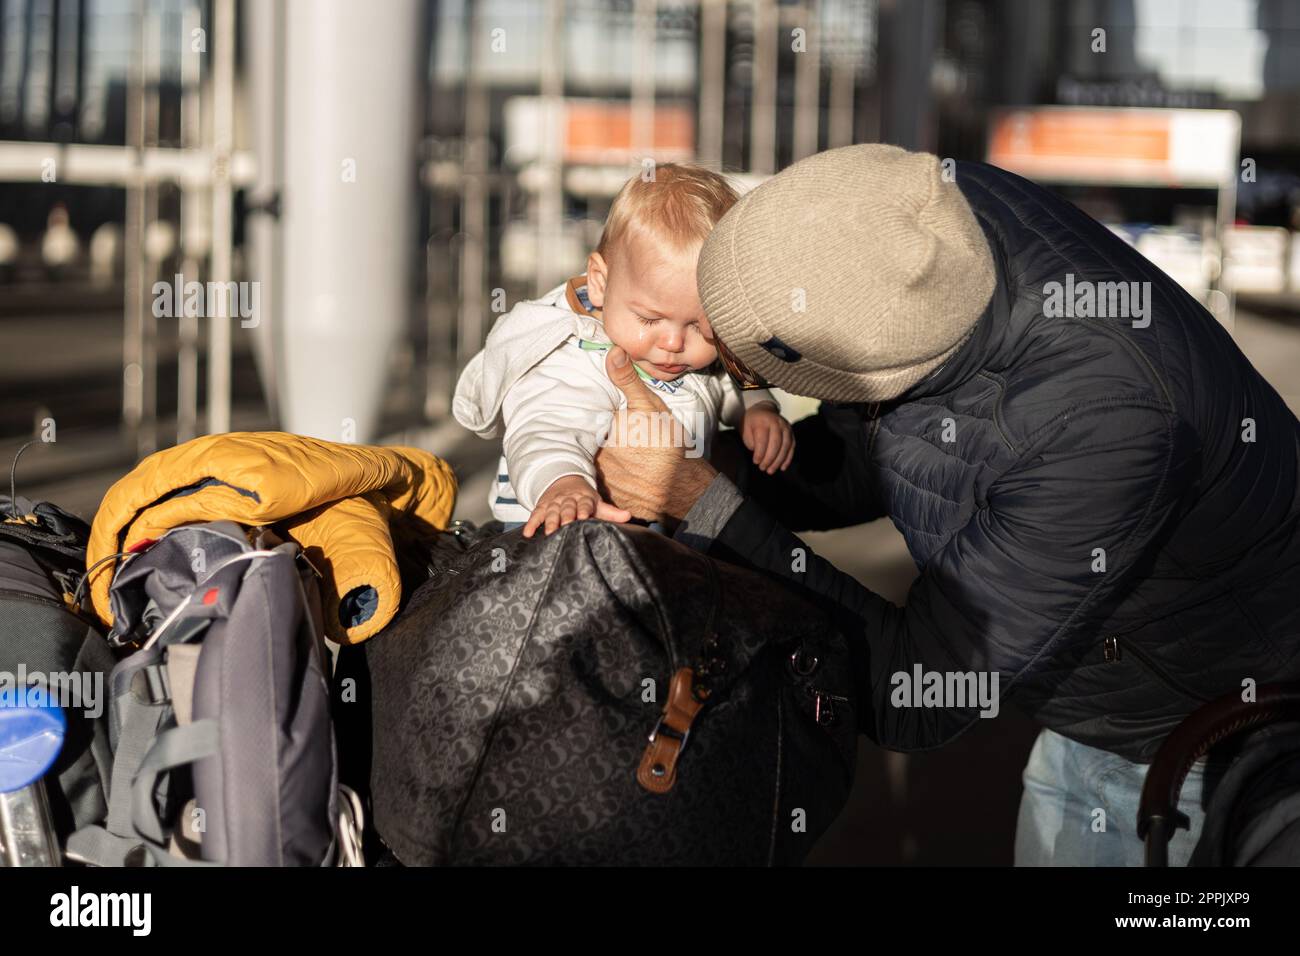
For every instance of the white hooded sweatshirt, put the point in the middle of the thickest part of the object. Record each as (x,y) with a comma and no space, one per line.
(540,383)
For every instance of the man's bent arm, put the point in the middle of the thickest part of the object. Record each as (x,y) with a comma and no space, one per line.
(1016,584)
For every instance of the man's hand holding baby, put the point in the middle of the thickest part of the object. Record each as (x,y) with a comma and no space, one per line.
(656,481)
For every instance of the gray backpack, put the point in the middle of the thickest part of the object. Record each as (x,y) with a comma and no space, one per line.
(223,747)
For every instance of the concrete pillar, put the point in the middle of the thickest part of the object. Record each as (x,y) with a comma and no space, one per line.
(349,196)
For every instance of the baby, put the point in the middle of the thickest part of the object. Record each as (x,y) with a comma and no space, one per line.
(540,380)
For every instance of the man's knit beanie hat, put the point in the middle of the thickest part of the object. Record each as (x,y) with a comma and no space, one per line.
(850,275)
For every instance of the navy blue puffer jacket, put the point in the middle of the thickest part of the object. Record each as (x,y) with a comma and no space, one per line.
(1104,510)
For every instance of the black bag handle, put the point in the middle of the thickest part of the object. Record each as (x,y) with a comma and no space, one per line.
(1158,814)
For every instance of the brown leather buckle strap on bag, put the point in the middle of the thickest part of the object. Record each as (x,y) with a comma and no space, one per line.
(658,769)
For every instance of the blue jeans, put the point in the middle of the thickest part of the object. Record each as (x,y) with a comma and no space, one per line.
(1079,807)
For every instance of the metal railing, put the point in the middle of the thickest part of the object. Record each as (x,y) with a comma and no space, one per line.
(204,169)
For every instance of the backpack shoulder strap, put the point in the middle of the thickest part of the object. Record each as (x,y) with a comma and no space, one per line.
(139,722)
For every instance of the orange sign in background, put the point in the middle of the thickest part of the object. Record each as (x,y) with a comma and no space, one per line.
(1169,147)
(1072,135)
(601,132)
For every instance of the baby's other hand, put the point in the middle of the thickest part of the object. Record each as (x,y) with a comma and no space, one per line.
(769,437)
(570,499)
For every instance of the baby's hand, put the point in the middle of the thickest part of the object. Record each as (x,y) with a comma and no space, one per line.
(769,437)
(570,499)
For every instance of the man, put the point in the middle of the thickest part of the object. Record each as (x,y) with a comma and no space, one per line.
(1098,489)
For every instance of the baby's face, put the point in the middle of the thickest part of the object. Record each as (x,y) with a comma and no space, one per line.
(651,309)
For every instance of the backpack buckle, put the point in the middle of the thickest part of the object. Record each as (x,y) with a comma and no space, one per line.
(150,685)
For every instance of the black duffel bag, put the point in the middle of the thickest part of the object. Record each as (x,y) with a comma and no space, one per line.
(48,638)
(606,696)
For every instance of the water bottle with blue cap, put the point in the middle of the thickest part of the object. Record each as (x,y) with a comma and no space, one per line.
(32,728)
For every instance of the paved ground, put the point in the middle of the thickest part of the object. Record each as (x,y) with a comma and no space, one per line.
(953,806)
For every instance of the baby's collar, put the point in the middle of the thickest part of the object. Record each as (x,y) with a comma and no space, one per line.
(575,293)
(590,345)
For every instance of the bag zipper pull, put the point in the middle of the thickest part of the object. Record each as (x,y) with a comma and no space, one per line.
(1110,650)
(824,711)
(658,770)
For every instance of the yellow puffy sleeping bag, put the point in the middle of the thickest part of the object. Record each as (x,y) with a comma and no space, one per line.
(343,504)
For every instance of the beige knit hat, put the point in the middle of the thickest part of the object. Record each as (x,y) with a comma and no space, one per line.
(849,276)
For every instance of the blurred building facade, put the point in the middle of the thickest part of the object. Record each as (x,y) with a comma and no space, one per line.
(528,115)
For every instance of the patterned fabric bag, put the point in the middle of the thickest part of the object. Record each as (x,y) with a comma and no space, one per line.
(606,696)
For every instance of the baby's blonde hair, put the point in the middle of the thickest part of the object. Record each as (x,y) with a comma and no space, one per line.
(678,205)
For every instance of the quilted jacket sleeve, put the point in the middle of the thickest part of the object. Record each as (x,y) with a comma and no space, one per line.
(349,543)
(1021,581)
